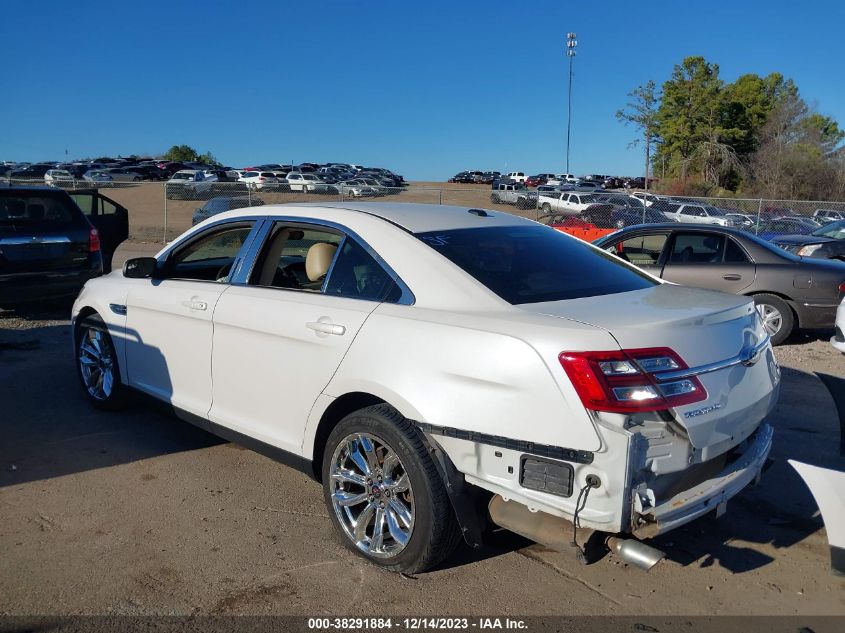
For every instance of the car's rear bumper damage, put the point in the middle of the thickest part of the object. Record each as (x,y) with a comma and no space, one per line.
(711,494)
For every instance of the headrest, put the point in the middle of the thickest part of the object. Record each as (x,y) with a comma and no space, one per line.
(318,260)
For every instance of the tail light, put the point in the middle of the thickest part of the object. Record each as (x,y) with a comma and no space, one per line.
(842,287)
(261,179)
(93,241)
(625,381)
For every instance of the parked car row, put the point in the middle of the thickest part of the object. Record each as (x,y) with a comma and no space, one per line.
(790,292)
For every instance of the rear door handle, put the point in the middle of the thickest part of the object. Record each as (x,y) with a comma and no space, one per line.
(732,277)
(324,326)
(195,305)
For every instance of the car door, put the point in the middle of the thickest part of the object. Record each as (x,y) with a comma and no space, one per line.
(280,336)
(708,260)
(169,317)
(644,250)
(110,218)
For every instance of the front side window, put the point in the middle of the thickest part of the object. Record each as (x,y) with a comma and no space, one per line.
(533,264)
(641,250)
(209,256)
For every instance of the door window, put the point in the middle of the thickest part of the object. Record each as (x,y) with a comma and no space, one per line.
(320,259)
(107,208)
(734,254)
(297,258)
(641,250)
(697,248)
(209,256)
(357,275)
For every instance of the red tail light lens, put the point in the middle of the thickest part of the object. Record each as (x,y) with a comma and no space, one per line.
(93,241)
(626,381)
(842,287)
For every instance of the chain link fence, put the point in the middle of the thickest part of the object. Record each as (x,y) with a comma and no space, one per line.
(159,211)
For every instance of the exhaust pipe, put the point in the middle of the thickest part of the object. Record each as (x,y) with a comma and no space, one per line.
(635,552)
(555,533)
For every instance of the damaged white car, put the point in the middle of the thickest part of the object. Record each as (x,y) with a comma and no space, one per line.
(436,367)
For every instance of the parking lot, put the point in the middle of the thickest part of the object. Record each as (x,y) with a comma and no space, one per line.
(139,513)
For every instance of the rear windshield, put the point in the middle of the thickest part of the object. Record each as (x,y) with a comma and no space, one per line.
(25,213)
(533,264)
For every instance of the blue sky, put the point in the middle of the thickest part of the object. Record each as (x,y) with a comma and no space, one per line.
(426,89)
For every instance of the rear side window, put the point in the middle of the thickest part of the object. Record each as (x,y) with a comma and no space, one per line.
(532,264)
(357,275)
(24,213)
(697,248)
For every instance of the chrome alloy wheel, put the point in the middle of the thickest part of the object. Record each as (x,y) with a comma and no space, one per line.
(371,495)
(96,363)
(771,317)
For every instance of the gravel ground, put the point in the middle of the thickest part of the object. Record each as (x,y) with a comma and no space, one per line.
(138,513)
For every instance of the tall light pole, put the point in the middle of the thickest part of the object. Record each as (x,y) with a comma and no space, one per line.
(571,45)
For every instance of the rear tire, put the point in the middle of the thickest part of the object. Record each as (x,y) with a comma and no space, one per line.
(778,318)
(96,365)
(546,207)
(384,494)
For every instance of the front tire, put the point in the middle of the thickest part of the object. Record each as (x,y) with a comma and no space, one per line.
(778,318)
(96,365)
(384,494)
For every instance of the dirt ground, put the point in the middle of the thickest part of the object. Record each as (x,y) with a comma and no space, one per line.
(138,513)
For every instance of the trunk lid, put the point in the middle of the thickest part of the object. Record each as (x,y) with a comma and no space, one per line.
(704,327)
(41,233)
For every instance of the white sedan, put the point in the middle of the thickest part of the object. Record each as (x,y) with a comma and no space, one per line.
(424,360)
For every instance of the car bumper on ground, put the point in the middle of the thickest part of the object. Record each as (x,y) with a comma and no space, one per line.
(712,494)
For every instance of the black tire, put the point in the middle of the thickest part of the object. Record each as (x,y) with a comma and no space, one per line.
(546,207)
(117,396)
(435,532)
(767,302)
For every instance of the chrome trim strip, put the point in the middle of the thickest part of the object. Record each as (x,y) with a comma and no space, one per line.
(18,241)
(747,356)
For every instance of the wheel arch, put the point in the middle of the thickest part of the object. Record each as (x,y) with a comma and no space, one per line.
(787,299)
(338,409)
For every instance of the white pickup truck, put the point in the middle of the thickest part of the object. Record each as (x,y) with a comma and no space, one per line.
(565,201)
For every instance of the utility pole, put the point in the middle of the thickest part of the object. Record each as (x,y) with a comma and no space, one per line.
(571,45)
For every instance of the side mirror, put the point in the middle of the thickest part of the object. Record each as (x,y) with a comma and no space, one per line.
(139,267)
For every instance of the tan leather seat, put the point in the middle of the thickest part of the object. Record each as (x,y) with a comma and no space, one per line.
(318,259)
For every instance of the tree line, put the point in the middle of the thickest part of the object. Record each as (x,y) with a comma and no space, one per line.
(753,137)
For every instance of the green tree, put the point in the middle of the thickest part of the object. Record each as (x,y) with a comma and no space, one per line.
(208,158)
(181,153)
(641,111)
(689,113)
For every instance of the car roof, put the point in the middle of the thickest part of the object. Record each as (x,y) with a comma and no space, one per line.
(414,217)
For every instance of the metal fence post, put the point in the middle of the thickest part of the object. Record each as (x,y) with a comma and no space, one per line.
(164,237)
(439,196)
(248,194)
(759,212)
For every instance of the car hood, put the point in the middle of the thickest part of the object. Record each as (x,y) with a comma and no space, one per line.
(802,239)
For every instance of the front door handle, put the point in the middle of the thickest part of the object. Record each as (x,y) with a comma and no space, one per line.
(324,326)
(732,277)
(195,305)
